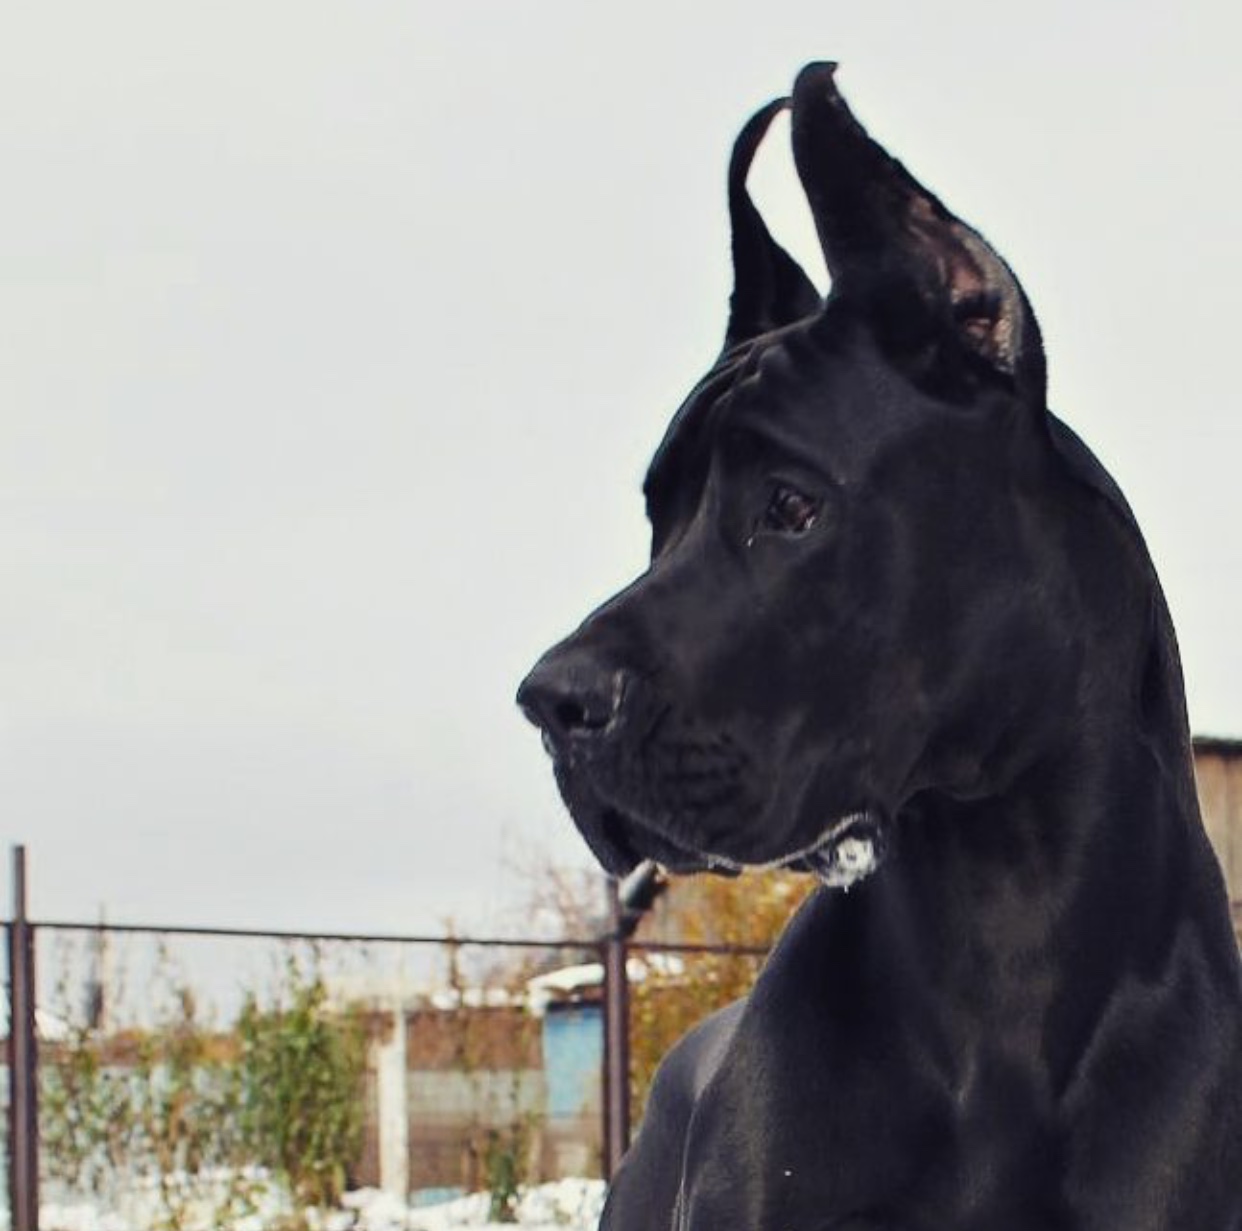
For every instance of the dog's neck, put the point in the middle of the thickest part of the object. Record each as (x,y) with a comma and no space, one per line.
(1096,849)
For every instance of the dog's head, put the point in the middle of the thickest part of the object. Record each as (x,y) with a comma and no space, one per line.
(854,591)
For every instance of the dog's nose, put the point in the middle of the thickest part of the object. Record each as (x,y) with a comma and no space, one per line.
(571,697)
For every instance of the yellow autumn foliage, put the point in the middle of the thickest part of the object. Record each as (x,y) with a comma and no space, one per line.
(748,911)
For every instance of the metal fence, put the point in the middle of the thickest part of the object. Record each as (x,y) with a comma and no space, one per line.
(482,1061)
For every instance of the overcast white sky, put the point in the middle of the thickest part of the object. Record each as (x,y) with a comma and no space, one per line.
(334,340)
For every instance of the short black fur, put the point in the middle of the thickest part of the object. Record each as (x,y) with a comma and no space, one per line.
(946,652)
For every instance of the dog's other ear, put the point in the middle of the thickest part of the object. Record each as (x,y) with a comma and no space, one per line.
(884,236)
(769,286)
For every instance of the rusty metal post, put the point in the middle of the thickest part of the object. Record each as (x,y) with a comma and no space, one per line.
(616,1038)
(23,1062)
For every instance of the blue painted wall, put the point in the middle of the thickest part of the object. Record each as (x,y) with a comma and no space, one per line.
(573,1053)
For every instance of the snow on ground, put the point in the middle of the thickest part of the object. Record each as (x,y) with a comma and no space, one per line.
(566,1205)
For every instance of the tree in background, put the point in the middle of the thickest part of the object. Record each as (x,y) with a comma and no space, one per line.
(678,991)
(748,911)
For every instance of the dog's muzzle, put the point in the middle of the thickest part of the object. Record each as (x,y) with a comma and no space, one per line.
(643,783)
(597,725)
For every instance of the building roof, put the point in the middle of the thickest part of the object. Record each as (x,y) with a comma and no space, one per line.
(1219,745)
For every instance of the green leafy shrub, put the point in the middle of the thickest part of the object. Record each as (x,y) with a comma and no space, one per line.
(302,1069)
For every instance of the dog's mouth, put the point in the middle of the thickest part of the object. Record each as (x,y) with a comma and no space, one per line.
(847,851)
(663,799)
(630,842)
(621,840)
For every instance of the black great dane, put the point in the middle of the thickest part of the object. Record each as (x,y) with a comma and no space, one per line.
(900,630)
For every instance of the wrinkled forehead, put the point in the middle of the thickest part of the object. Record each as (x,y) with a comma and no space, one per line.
(820,390)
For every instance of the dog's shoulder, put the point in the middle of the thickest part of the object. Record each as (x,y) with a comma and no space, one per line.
(646,1189)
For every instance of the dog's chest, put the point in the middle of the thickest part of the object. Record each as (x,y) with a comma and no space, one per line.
(823,1145)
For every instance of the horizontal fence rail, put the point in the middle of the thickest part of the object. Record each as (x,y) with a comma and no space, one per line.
(507,1065)
(375,938)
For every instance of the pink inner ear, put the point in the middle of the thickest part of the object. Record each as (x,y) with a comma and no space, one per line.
(987,330)
(979,329)
(980,289)
(992,322)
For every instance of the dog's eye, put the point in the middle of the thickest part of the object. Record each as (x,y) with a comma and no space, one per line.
(789,511)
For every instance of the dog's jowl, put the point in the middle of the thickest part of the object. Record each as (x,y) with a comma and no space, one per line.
(900,630)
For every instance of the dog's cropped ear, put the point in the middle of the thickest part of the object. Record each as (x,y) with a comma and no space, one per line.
(885,236)
(769,286)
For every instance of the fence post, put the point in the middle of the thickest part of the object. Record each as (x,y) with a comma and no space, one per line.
(628,901)
(616,1037)
(23,1062)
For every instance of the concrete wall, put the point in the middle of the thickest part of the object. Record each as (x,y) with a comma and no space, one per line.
(440,1083)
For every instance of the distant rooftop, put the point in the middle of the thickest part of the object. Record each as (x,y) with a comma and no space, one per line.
(1222,745)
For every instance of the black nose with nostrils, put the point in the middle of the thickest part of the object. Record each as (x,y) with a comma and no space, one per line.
(569,696)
